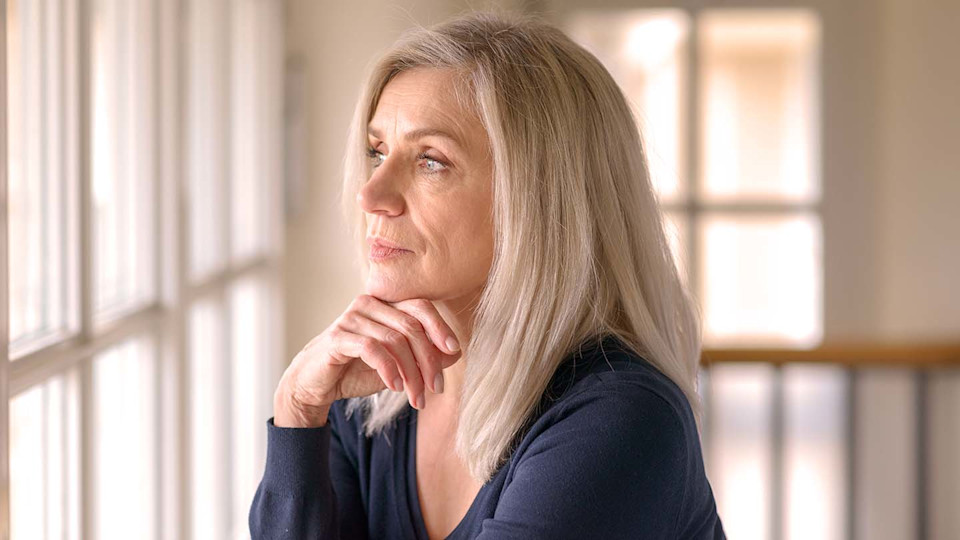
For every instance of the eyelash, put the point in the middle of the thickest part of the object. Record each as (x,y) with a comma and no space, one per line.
(373,153)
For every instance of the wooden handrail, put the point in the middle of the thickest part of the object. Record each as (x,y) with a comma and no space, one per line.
(850,355)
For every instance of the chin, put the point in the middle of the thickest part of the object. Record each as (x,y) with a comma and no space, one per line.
(392,291)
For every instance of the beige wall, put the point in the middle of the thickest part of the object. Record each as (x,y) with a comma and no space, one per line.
(919,173)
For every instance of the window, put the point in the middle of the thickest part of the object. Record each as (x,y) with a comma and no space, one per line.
(41,119)
(141,157)
(727,101)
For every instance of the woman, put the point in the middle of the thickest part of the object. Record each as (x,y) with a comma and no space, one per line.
(516,268)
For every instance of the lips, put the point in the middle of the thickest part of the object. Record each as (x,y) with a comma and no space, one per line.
(383,243)
(381,249)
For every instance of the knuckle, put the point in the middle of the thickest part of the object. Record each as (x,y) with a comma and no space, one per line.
(349,318)
(368,346)
(333,336)
(359,302)
(394,337)
(411,326)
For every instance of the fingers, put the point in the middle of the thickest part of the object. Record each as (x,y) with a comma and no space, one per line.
(415,321)
(349,345)
(440,356)
(399,347)
(437,329)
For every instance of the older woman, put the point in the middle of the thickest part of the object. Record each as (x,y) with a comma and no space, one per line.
(523,361)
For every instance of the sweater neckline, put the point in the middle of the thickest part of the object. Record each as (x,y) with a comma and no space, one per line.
(410,474)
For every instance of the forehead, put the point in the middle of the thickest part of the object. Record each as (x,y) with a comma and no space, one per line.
(423,99)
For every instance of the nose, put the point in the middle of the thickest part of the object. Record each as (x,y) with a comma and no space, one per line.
(381,194)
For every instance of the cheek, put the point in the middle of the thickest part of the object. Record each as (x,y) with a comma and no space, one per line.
(464,242)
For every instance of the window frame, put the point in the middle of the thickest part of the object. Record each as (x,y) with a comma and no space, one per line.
(692,208)
(4,283)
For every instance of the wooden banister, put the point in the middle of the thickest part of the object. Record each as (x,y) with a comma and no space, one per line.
(849,355)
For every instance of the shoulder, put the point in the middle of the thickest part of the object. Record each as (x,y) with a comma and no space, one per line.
(625,434)
(610,379)
(609,393)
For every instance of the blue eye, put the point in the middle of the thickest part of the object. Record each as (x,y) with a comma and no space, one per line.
(432,165)
(375,156)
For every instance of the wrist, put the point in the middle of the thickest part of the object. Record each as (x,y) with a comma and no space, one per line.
(288,411)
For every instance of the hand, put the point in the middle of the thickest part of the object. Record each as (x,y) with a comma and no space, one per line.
(371,346)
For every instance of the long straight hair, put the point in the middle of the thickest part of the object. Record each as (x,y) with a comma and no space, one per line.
(580,249)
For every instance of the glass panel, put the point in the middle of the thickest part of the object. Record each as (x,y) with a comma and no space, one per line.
(814,444)
(740,448)
(677,230)
(125,418)
(44,461)
(207,136)
(41,174)
(253,348)
(124,156)
(257,86)
(759,101)
(760,280)
(645,51)
(209,422)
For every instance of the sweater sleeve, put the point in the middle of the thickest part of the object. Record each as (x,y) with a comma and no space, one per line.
(310,487)
(614,464)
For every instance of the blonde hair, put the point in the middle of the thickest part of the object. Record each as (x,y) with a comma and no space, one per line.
(580,250)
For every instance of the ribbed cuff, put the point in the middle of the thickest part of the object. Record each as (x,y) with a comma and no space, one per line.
(298,459)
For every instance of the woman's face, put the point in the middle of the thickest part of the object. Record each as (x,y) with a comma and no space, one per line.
(430,192)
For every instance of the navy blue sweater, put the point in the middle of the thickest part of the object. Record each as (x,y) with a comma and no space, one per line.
(611,452)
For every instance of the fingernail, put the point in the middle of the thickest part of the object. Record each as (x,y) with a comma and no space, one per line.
(398,384)
(438,384)
(452,344)
(420,401)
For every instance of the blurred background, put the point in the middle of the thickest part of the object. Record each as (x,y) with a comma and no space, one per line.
(171,238)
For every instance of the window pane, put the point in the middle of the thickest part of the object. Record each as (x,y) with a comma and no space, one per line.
(207,134)
(125,416)
(209,422)
(814,445)
(124,155)
(760,279)
(41,121)
(254,347)
(645,51)
(740,448)
(256,124)
(759,101)
(44,461)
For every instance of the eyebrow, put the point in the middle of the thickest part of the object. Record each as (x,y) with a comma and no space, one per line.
(419,134)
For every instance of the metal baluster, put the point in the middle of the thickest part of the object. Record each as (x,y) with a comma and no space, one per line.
(776,462)
(850,411)
(921,381)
